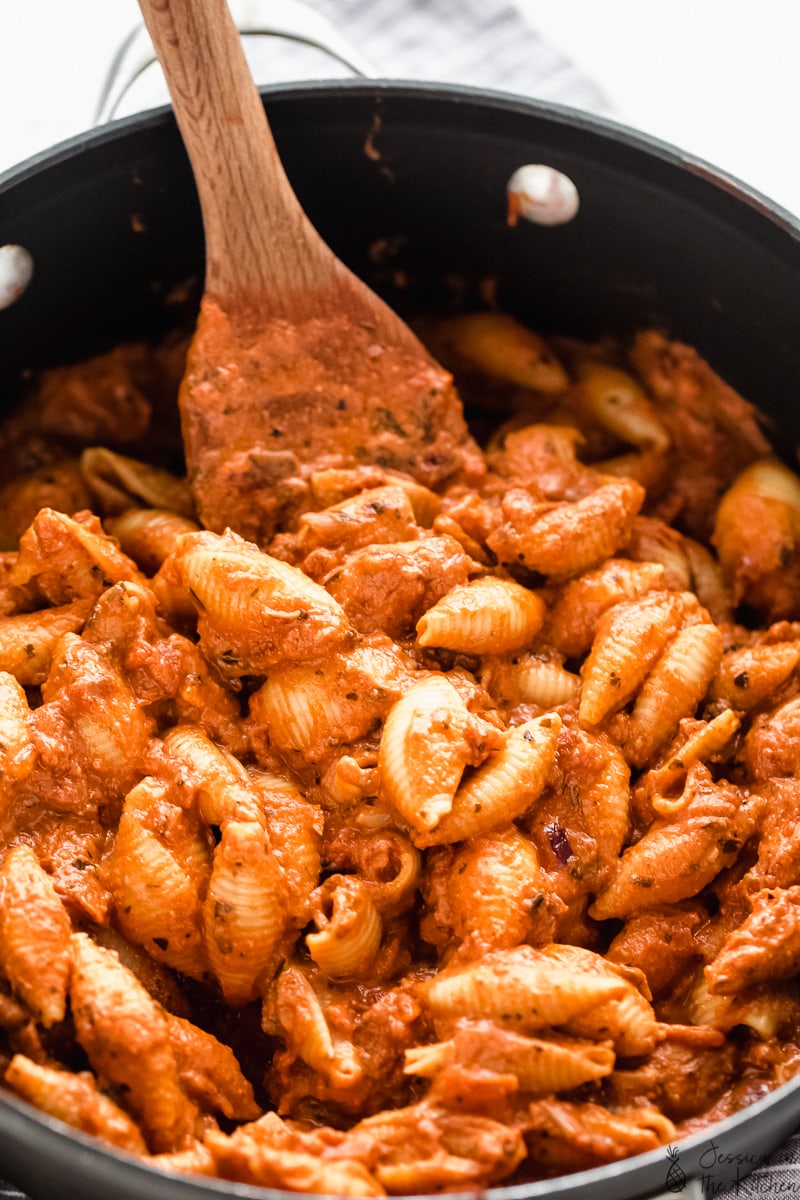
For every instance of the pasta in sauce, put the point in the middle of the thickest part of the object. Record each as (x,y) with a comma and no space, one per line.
(448,838)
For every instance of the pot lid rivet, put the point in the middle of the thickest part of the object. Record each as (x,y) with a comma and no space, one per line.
(16,272)
(541,194)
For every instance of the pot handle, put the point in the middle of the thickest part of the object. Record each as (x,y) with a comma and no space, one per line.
(292,19)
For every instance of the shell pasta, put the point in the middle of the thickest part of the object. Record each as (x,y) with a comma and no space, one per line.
(431,843)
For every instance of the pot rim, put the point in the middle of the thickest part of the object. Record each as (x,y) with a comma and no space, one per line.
(492,99)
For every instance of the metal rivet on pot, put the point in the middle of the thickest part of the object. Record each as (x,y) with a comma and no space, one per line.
(16,272)
(541,194)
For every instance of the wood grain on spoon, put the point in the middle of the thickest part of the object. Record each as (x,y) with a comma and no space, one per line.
(295,364)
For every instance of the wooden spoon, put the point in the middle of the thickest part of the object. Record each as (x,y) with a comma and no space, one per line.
(295,364)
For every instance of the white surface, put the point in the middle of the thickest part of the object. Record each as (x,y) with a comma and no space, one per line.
(717,77)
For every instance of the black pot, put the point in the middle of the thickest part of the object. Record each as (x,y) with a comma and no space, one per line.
(412,178)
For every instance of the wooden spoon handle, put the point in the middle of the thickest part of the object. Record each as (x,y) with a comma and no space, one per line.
(261,249)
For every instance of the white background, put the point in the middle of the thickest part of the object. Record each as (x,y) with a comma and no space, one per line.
(719,78)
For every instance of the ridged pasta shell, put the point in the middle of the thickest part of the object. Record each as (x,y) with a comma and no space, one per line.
(706,741)
(653,541)
(486,616)
(310,708)
(751,675)
(16,748)
(497,345)
(521,989)
(763,1008)
(244,914)
(580,604)
(28,640)
(115,480)
(424,749)
(223,787)
(307,1032)
(628,641)
(349,929)
(673,690)
(377,515)
(708,582)
(757,528)
(572,536)
(495,889)
(616,401)
(70,558)
(158,897)
(126,1038)
(295,829)
(503,787)
(427,1061)
(149,535)
(394,895)
(76,1100)
(546,684)
(34,935)
(628,1021)
(255,611)
(540,1065)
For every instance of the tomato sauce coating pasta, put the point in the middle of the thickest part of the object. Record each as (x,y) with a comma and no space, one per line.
(436,841)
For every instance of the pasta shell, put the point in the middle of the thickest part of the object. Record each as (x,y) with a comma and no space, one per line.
(76,1100)
(158,897)
(16,748)
(571,537)
(561,1133)
(295,829)
(495,895)
(501,789)
(349,929)
(498,346)
(149,535)
(616,401)
(546,684)
(244,914)
(628,1021)
(115,481)
(428,739)
(28,640)
(254,610)
(702,745)
(126,1038)
(541,1066)
(757,534)
(310,708)
(764,1008)
(580,604)
(305,1027)
(749,676)
(427,1061)
(708,582)
(392,893)
(34,935)
(70,558)
(654,541)
(521,989)
(209,1071)
(673,690)
(223,787)
(676,859)
(377,515)
(628,641)
(486,616)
